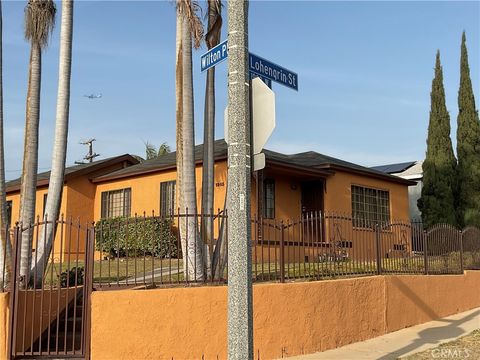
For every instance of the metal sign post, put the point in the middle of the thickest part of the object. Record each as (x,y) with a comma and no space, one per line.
(248,74)
(240,309)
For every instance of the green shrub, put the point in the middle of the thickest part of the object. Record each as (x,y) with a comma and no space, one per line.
(136,237)
(67,278)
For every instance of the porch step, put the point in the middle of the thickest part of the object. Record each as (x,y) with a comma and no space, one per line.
(69,331)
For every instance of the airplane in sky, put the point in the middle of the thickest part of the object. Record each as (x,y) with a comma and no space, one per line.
(93,96)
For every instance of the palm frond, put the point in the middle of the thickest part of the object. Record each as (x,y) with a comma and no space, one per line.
(214,14)
(150,151)
(190,9)
(39,21)
(163,149)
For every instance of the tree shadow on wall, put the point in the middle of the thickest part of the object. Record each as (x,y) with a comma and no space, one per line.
(431,336)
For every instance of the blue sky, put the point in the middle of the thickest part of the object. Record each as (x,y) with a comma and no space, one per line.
(365,72)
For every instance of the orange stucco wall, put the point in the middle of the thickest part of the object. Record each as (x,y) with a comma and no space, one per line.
(145,190)
(288,193)
(338,195)
(82,198)
(289,319)
(418,299)
(4,299)
(77,200)
(15,198)
(77,206)
(79,194)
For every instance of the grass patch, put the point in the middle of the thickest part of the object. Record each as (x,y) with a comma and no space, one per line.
(118,270)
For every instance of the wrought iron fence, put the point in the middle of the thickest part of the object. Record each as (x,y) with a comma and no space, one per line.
(160,250)
(322,246)
(149,251)
(49,294)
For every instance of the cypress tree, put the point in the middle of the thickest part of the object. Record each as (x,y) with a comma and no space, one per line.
(437,200)
(468,148)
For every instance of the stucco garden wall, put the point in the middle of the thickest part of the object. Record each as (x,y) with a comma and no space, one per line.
(414,299)
(289,319)
(4,299)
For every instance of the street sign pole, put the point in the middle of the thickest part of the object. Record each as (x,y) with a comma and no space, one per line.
(240,317)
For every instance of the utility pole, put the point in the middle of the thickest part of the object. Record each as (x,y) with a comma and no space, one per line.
(91,154)
(240,308)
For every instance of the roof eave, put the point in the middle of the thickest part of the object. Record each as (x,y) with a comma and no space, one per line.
(312,171)
(74,174)
(141,172)
(387,177)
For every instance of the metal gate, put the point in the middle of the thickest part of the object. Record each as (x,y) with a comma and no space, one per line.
(49,312)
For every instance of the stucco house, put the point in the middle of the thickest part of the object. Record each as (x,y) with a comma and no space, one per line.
(289,187)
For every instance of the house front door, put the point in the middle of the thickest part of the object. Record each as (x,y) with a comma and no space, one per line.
(312,210)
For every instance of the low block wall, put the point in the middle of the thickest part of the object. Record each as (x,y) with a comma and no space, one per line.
(4,300)
(413,300)
(289,319)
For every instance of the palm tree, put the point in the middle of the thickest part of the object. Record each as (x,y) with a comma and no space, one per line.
(39,23)
(191,242)
(54,197)
(179,108)
(151,151)
(5,246)
(212,38)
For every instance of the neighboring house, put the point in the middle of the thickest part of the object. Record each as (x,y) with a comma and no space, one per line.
(290,187)
(411,170)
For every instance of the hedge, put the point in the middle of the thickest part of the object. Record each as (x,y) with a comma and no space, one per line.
(123,236)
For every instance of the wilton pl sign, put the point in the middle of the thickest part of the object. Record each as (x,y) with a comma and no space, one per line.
(258,66)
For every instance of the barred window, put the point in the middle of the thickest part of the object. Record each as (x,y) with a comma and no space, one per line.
(167,198)
(269,199)
(116,203)
(369,206)
(44,203)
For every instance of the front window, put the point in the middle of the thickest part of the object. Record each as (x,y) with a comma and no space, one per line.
(167,198)
(269,199)
(370,206)
(44,203)
(116,203)
(9,213)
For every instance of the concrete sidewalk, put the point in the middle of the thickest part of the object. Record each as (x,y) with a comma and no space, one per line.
(404,342)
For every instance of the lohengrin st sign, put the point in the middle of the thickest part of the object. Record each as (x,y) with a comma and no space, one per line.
(257,65)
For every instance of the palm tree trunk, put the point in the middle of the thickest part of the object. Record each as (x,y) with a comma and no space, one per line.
(179,133)
(30,161)
(220,254)
(55,187)
(5,245)
(208,166)
(195,250)
(212,39)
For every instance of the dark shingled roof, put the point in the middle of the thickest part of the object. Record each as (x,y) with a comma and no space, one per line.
(75,170)
(167,161)
(394,168)
(306,160)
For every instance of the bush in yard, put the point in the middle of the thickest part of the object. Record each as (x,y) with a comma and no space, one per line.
(123,236)
(72,277)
